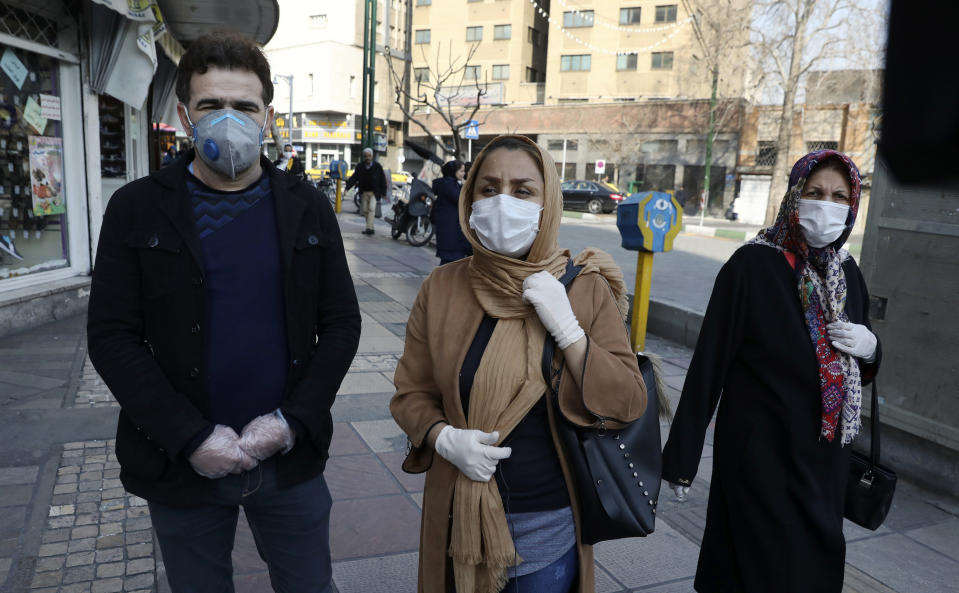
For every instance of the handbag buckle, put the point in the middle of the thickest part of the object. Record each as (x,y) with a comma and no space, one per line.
(866,479)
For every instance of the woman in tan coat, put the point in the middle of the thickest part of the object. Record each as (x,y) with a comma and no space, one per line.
(469,386)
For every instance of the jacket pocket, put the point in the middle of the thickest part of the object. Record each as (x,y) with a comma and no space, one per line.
(137,454)
(308,250)
(159,254)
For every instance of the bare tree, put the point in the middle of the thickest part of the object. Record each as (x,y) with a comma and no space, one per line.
(791,38)
(445,89)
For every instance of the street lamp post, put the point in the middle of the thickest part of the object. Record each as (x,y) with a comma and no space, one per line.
(289,80)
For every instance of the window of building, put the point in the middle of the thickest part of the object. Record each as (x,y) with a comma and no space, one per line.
(578,18)
(666,13)
(821,145)
(558,145)
(534,37)
(309,84)
(659,146)
(626,61)
(318,21)
(424,2)
(629,16)
(471,73)
(421,74)
(501,72)
(502,31)
(766,153)
(422,36)
(474,33)
(530,74)
(352,86)
(574,100)
(575,63)
(662,60)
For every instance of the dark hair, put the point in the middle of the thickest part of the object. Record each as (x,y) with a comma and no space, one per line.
(451,167)
(287,144)
(222,49)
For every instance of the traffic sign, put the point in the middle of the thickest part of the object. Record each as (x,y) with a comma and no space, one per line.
(472,130)
(600,166)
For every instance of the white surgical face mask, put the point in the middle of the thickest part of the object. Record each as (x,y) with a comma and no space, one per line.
(287,154)
(822,222)
(505,224)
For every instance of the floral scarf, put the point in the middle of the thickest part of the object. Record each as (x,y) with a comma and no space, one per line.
(822,292)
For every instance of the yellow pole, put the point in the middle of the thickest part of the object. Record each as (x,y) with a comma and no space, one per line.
(644,274)
(339,196)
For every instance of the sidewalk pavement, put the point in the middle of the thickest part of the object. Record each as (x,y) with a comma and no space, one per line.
(67,525)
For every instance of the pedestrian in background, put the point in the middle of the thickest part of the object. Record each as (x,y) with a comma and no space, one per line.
(168,156)
(290,162)
(370,181)
(470,387)
(786,340)
(451,243)
(223,318)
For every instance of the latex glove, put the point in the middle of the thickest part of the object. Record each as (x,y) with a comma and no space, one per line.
(470,451)
(220,454)
(680,491)
(548,297)
(266,435)
(853,339)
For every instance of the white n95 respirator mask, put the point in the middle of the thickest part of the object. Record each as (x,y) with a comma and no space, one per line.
(505,224)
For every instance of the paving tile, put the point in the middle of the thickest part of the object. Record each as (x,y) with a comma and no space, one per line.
(15,495)
(375,330)
(365,383)
(350,408)
(384,344)
(12,520)
(252,583)
(381,435)
(358,476)
(390,574)
(604,582)
(641,562)
(942,537)
(30,380)
(853,532)
(24,474)
(367,527)
(886,557)
(246,558)
(677,586)
(910,511)
(394,461)
(346,441)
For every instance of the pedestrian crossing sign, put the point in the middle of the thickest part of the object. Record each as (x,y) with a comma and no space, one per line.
(472,130)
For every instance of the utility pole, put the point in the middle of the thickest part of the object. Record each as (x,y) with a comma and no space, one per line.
(711,132)
(369,68)
(289,80)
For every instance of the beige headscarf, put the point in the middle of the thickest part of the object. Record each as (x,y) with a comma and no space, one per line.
(509,380)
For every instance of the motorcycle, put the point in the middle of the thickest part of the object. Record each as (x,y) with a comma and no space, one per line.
(411,214)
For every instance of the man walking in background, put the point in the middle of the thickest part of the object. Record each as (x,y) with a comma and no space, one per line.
(223,318)
(371,183)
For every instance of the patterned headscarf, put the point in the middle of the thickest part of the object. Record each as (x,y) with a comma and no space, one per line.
(822,292)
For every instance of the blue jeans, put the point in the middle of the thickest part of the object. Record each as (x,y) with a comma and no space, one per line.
(291,528)
(558,577)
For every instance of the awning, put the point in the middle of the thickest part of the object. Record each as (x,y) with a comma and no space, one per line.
(189,19)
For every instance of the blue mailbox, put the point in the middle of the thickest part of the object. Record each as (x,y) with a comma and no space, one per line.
(649,221)
(337,169)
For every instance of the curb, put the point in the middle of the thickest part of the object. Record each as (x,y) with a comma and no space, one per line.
(670,321)
(584,216)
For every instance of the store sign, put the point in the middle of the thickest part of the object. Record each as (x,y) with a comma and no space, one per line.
(324,134)
(14,68)
(46,175)
(50,106)
(465,95)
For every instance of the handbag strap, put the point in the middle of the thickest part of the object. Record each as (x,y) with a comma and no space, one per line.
(550,347)
(874,428)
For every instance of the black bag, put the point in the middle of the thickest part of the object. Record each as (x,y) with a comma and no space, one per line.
(616,472)
(870,486)
(378,213)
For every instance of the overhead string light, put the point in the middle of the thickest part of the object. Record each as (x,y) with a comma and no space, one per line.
(677,26)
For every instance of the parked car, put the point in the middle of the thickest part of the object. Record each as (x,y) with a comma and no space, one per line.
(592,196)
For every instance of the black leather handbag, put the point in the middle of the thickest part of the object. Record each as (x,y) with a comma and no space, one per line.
(870,486)
(616,471)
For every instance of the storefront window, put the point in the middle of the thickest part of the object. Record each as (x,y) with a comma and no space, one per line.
(33,221)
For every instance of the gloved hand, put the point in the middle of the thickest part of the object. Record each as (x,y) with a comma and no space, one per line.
(548,297)
(853,339)
(220,454)
(470,451)
(265,435)
(680,491)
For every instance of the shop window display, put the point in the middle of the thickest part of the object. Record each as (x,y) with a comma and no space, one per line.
(113,162)
(33,226)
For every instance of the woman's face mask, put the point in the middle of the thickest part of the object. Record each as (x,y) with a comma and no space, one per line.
(822,222)
(227,140)
(505,224)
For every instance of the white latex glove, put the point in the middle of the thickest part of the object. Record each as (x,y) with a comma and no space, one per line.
(265,435)
(680,491)
(548,297)
(853,339)
(220,454)
(470,451)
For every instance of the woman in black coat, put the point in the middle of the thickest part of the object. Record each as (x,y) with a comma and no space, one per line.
(786,340)
(451,244)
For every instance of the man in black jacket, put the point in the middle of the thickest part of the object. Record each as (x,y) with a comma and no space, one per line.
(371,183)
(223,318)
